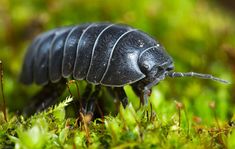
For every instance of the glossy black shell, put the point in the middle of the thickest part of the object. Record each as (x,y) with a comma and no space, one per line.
(100,53)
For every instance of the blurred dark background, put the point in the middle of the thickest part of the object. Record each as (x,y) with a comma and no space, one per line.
(198,34)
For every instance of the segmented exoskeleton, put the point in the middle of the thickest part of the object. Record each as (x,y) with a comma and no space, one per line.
(104,54)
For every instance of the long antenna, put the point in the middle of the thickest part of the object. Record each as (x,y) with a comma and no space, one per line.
(195,74)
(3,98)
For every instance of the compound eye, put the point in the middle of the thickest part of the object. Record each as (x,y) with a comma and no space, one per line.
(146,66)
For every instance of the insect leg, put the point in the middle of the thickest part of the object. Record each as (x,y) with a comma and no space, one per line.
(85,97)
(45,97)
(90,106)
(79,104)
(118,93)
(121,95)
(136,87)
(146,91)
(143,89)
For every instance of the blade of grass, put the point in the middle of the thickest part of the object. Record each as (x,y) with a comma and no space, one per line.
(2,93)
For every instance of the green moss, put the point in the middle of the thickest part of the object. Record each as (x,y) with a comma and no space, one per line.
(129,129)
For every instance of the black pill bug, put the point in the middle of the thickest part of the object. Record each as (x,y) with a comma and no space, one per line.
(103,54)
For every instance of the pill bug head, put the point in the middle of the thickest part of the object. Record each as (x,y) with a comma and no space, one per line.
(155,62)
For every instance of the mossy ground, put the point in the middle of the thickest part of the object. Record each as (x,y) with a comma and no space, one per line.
(129,129)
